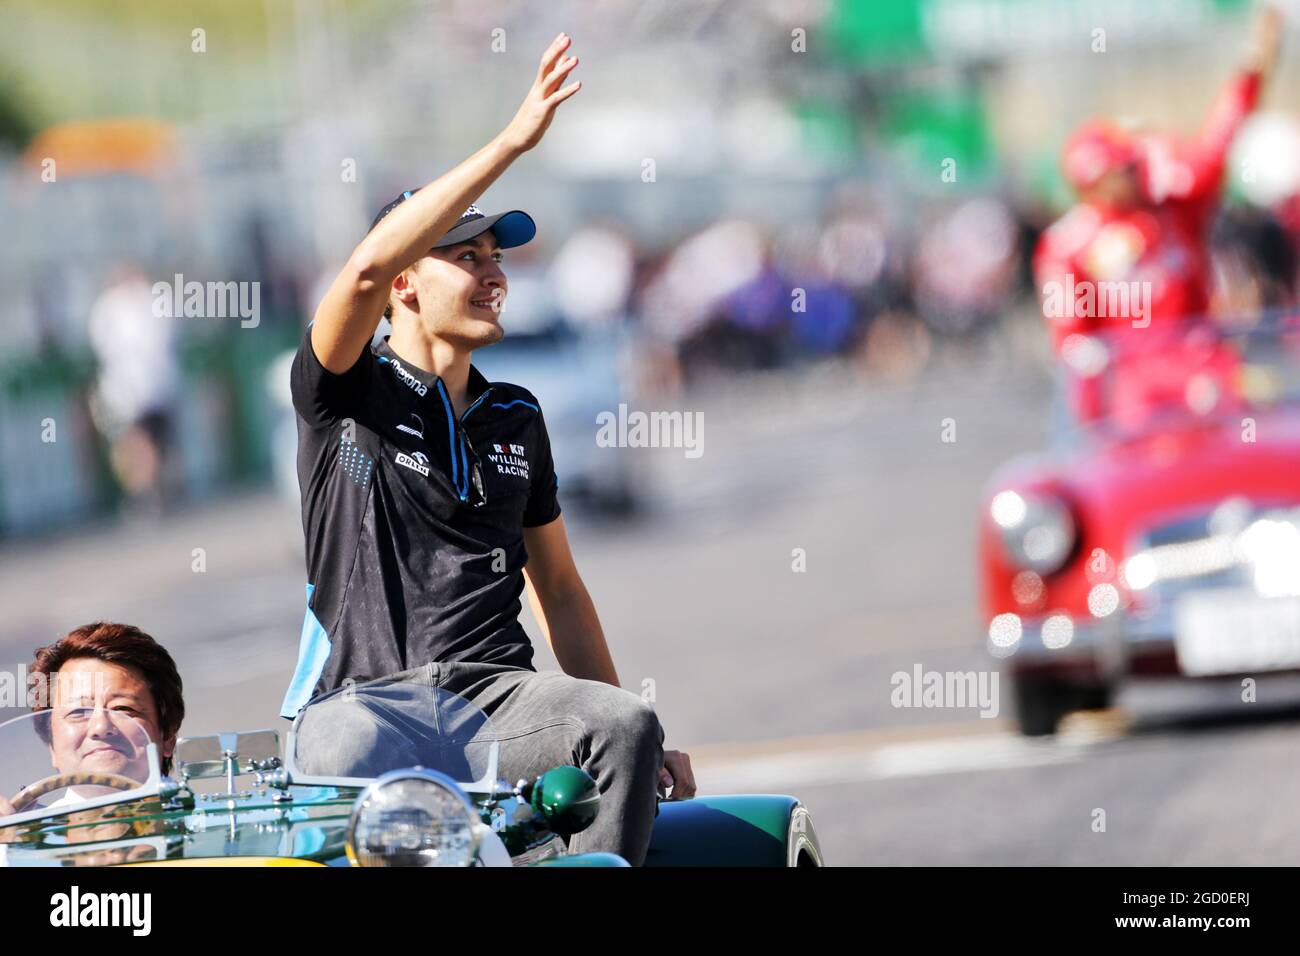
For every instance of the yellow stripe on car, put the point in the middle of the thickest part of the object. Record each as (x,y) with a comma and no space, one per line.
(232,861)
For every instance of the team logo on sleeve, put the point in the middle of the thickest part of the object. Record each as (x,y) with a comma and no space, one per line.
(509,459)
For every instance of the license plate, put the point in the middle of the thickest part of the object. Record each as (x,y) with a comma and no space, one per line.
(1232,632)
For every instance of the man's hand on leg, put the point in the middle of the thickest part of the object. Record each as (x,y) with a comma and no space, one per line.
(677,774)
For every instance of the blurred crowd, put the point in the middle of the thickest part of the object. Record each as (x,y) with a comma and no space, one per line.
(863,286)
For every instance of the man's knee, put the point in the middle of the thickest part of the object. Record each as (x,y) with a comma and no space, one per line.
(338,739)
(630,725)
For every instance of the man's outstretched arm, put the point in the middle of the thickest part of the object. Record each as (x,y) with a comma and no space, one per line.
(348,315)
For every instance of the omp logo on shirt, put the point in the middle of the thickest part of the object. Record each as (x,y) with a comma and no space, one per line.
(422,466)
(509,460)
(410,380)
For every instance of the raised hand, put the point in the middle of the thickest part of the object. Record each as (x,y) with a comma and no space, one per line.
(538,109)
(1265,38)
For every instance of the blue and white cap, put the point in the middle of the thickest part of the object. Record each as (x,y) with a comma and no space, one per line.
(512,228)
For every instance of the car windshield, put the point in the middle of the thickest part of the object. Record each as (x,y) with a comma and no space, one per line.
(67,757)
(359,732)
(1163,377)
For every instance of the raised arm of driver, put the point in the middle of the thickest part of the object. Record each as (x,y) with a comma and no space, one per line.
(347,316)
(1236,101)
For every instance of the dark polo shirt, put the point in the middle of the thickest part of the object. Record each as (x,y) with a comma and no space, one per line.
(413,518)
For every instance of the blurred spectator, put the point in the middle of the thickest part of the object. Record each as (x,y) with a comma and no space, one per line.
(966,267)
(817,316)
(1254,264)
(136,386)
(592,277)
(698,273)
(1268,155)
(1287,214)
(681,303)
(856,250)
(744,330)
(896,347)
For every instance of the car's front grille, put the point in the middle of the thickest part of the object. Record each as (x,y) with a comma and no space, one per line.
(1234,545)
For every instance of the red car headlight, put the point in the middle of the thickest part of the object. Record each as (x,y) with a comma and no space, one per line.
(1038,532)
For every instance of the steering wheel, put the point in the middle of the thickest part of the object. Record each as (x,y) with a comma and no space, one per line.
(34,791)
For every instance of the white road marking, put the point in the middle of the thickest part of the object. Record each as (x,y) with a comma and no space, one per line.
(790,771)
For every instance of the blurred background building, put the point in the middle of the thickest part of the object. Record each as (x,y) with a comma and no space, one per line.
(892,161)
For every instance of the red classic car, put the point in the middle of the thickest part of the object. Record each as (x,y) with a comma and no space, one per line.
(1160,538)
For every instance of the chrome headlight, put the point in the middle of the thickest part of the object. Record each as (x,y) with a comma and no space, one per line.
(413,818)
(1037,532)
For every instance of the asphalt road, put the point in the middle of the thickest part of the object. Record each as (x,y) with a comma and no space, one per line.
(774,679)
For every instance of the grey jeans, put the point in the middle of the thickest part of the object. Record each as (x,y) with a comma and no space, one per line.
(542,720)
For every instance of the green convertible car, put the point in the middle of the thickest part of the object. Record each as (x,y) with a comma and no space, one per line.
(239,799)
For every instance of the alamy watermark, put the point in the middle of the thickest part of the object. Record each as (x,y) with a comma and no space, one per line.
(209,300)
(946,689)
(34,689)
(637,429)
(133,911)
(1086,299)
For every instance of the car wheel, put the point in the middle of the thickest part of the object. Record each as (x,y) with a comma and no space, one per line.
(1041,702)
(1093,697)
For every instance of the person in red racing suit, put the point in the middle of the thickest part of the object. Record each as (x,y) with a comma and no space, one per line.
(1126,269)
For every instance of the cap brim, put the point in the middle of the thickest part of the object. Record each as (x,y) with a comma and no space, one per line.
(512,228)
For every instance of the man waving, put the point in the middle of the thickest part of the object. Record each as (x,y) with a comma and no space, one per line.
(429,503)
